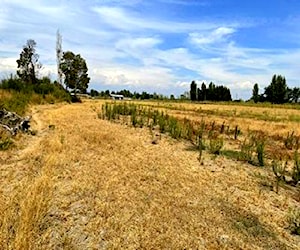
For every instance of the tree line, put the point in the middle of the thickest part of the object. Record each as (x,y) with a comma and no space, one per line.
(276,92)
(127,93)
(212,93)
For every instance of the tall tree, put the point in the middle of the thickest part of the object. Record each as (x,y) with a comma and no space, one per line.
(193,91)
(255,95)
(211,92)
(277,91)
(203,91)
(59,54)
(28,63)
(74,69)
(199,94)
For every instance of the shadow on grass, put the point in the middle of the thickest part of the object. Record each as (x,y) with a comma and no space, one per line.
(249,227)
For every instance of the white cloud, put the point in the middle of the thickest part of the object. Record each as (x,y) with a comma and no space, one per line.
(124,44)
(217,35)
(125,20)
(135,77)
(8,64)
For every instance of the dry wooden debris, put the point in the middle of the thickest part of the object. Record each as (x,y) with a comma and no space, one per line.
(13,123)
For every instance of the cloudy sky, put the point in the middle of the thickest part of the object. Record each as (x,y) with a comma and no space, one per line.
(160,45)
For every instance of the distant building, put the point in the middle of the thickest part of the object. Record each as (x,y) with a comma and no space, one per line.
(117,97)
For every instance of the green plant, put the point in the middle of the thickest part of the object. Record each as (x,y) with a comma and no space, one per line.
(162,123)
(5,143)
(296,169)
(216,143)
(294,221)
(260,149)
(188,129)
(290,140)
(174,128)
(279,170)
(247,150)
(133,117)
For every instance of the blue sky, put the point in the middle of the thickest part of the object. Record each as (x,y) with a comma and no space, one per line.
(160,45)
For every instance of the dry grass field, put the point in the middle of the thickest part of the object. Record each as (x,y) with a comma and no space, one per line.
(87,183)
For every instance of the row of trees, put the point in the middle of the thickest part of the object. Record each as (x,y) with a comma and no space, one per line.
(73,76)
(277,92)
(212,93)
(127,93)
(72,67)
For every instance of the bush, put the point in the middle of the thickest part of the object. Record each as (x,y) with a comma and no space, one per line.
(19,94)
(15,102)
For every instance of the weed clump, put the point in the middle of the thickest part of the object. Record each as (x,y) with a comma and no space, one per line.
(279,170)
(5,141)
(294,221)
(216,143)
(291,141)
(247,150)
(296,169)
(260,151)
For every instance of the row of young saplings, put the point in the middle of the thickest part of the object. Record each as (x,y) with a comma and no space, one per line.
(207,136)
(177,128)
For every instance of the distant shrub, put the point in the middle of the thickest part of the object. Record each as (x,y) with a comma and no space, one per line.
(16,102)
(21,94)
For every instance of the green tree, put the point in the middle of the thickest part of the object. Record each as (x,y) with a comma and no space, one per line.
(193,91)
(74,69)
(255,95)
(276,92)
(28,63)
(294,95)
(203,91)
(199,94)
(94,93)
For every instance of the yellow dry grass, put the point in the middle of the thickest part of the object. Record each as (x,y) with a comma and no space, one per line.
(86,183)
(274,120)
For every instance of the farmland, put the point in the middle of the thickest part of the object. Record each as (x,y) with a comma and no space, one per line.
(90,179)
